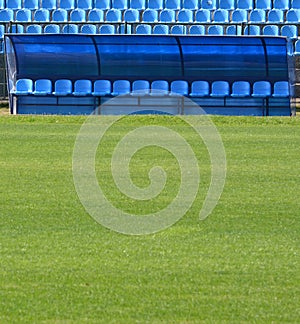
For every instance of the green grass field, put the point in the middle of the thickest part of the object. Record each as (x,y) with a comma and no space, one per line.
(240,265)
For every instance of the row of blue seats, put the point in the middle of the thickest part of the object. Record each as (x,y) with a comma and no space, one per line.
(151,15)
(64,87)
(154,4)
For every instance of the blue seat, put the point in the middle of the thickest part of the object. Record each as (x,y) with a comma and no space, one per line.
(263,4)
(252,30)
(140,87)
(281,4)
(102,88)
(190,4)
(107,29)
(155,4)
(82,88)
(200,89)
(31,4)
(178,29)
(96,15)
(297,47)
(41,15)
(62,87)
(240,89)
(173,4)
(234,30)
(34,29)
(77,15)
(6,15)
(185,15)
(179,87)
(137,4)
(261,89)
(85,4)
(159,88)
(150,15)
(102,4)
(16,29)
(257,16)
(227,4)
(60,15)
(295,4)
(167,15)
(219,89)
(275,16)
(161,29)
(143,29)
(23,15)
(290,31)
(131,15)
(70,29)
(67,4)
(210,5)
(271,30)
(88,29)
(293,16)
(239,16)
(114,15)
(203,15)
(245,4)
(48,4)
(215,30)
(14,4)
(52,29)
(42,87)
(197,30)
(121,87)
(119,4)
(221,15)
(281,89)
(23,87)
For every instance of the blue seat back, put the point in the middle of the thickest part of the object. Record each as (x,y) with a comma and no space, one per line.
(131,15)
(102,88)
(70,29)
(203,15)
(96,15)
(143,29)
(77,15)
(42,15)
(24,87)
(23,15)
(42,87)
(150,15)
(173,4)
(88,29)
(245,4)
(240,89)
(220,89)
(121,87)
(167,15)
(200,89)
(161,29)
(180,87)
(159,87)
(82,87)
(261,89)
(141,87)
(34,29)
(62,87)
(185,15)
(59,15)
(281,89)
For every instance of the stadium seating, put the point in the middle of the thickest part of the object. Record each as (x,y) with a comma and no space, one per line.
(23,87)
(101,88)
(42,87)
(63,87)
(82,88)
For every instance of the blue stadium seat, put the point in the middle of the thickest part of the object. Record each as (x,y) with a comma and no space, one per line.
(60,15)
(155,4)
(6,15)
(281,89)
(293,15)
(101,88)
(167,15)
(16,28)
(114,15)
(221,15)
(62,87)
(240,89)
(14,4)
(159,88)
(85,4)
(131,15)
(96,15)
(121,87)
(52,29)
(295,4)
(102,4)
(203,15)
(173,4)
(179,87)
(234,30)
(119,4)
(215,30)
(143,29)
(261,89)
(252,30)
(88,29)
(23,15)
(70,29)
(185,15)
(82,88)
(275,16)
(77,15)
(197,30)
(297,47)
(161,29)
(42,87)
(271,30)
(257,16)
(227,4)
(48,4)
(41,15)
(107,29)
(190,4)
(140,87)
(209,4)
(150,15)
(263,4)
(31,4)
(34,29)
(67,4)
(219,89)
(137,4)
(290,31)
(245,4)
(239,16)
(178,29)
(200,89)
(281,4)
(23,87)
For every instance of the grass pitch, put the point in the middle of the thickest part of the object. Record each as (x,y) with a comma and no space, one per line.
(239,265)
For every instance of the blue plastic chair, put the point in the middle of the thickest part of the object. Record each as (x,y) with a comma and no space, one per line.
(209,4)
(263,4)
(102,88)
(281,89)
(275,16)
(150,15)
(67,4)
(167,15)
(203,15)
(239,16)
(23,87)
(179,88)
(197,30)
(62,87)
(42,87)
(82,88)
(297,47)
(14,4)
(221,15)
(271,30)
(161,29)
(85,4)
(96,15)
(88,29)
(227,4)
(290,31)
(6,15)
(52,29)
(34,29)
(190,4)
(178,29)
(159,88)
(107,29)
(77,15)
(293,16)
(102,4)
(172,4)
(261,89)
(234,30)
(245,4)
(143,29)
(200,89)
(131,15)
(281,4)
(41,15)
(114,15)
(119,4)
(185,15)
(31,4)
(240,89)
(48,4)
(219,89)
(295,4)
(215,30)
(140,87)
(155,4)
(60,15)
(23,15)
(257,16)
(121,87)
(137,4)
(252,30)
(70,29)
(16,28)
